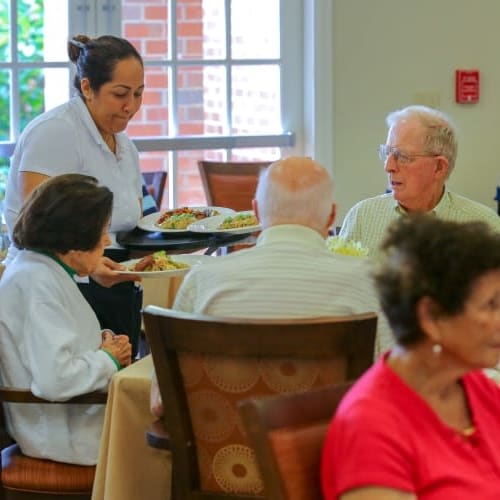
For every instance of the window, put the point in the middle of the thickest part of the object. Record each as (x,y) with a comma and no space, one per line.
(224,78)
(210,74)
(32,67)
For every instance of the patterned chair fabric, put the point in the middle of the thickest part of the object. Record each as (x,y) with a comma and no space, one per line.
(206,365)
(215,384)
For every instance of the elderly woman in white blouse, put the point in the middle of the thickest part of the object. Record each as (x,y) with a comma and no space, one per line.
(50,339)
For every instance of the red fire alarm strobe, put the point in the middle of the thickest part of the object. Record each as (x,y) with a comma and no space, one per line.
(467,85)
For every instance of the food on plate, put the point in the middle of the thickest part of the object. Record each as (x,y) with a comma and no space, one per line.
(158,261)
(337,244)
(180,218)
(239,220)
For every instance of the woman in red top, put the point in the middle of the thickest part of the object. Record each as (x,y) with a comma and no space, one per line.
(424,421)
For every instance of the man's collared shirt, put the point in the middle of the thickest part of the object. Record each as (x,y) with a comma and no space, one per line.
(368,220)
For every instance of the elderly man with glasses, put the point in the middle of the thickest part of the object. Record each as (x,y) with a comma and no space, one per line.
(418,157)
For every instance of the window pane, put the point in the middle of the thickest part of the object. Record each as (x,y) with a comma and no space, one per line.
(256,99)
(42,30)
(40,90)
(189,186)
(4,31)
(201,29)
(201,100)
(154,161)
(31,94)
(55,30)
(57,90)
(152,119)
(255,154)
(30,30)
(145,24)
(255,29)
(4,105)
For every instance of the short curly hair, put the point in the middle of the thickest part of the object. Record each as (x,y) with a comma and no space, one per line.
(66,212)
(423,256)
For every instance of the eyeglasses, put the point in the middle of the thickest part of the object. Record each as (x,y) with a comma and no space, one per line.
(402,158)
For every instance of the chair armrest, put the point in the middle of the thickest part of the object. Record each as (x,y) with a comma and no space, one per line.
(15,395)
(157,436)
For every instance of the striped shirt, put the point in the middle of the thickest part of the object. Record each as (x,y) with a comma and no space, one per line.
(288,274)
(368,220)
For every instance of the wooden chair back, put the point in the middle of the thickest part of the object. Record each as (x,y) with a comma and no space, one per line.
(287,433)
(155,184)
(24,477)
(206,365)
(230,184)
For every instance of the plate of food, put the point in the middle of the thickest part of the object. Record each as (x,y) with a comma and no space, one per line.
(160,264)
(236,223)
(177,220)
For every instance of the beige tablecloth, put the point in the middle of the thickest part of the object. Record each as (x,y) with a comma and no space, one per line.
(128,468)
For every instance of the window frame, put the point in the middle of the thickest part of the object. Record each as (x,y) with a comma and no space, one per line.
(306,83)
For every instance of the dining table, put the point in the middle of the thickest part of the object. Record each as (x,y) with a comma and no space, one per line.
(129,469)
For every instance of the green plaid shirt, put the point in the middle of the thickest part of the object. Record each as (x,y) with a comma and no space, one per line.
(367,221)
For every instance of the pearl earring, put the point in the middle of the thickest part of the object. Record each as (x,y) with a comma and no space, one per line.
(437,349)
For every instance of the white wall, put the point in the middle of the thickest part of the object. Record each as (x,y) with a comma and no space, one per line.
(391,53)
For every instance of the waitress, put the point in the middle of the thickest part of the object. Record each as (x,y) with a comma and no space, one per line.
(86,136)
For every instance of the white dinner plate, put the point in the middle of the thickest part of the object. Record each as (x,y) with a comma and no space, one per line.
(211,225)
(148,223)
(190,259)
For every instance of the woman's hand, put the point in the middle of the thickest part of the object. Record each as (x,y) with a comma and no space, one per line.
(106,276)
(119,346)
